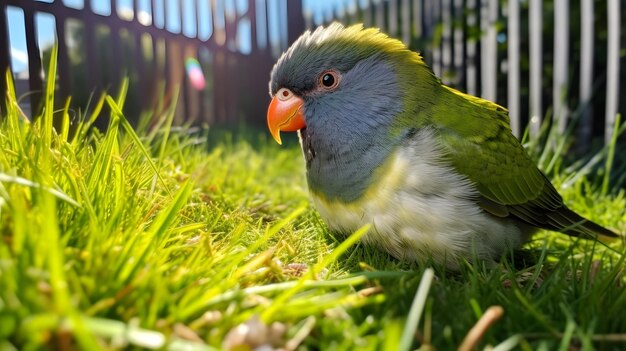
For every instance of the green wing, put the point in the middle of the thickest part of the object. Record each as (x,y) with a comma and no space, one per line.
(479,141)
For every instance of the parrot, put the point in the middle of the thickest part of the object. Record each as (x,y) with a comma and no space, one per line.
(437,174)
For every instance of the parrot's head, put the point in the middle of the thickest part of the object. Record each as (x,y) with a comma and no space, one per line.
(337,80)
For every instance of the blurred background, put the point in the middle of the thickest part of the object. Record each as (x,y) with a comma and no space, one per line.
(559,60)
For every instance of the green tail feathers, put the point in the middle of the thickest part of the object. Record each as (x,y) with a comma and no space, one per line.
(571,223)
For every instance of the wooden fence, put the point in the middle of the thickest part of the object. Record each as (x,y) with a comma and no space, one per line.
(556,58)
(540,59)
(149,44)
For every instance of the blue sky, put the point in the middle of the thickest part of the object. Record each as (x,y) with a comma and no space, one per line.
(45,23)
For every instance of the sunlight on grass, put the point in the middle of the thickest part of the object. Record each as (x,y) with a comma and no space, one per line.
(148,238)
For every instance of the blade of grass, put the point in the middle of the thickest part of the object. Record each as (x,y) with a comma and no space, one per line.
(121,95)
(168,125)
(131,132)
(222,275)
(55,258)
(611,155)
(15,132)
(157,232)
(415,313)
(65,123)
(267,314)
(509,344)
(25,182)
(47,121)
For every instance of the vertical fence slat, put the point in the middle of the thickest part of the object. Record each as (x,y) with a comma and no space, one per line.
(535,25)
(4,59)
(471,70)
(232,100)
(380,14)
(513,66)
(612,84)
(113,50)
(351,10)
(367,13)
(136,10)
(406,22)
(417,18)
(195,19)
(446,41)
(561,62)
(91,55)
(393,17)
(434,9)
(586,73)
(153,13)
(459,37)
(115,73)
(433,24)
(264,27)
(488,44)
(34,62)
(340,13)
(308,19)
(294,23)
(287,36)
(251,14)
(63,60)
(139,61)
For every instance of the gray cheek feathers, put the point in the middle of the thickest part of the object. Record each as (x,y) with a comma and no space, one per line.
(347,136)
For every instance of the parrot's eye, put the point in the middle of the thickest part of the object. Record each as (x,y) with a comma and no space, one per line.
(329,80)
(284,94)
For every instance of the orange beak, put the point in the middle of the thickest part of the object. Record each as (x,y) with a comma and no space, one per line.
(285,114)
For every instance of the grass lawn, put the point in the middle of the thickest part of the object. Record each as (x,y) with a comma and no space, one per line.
(146,238)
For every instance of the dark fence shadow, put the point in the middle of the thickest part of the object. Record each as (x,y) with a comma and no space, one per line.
(151,44)
(555,59)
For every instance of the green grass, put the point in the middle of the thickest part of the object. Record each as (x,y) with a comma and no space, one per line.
(147,238)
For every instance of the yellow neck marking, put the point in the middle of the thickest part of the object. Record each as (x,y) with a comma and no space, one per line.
(389,177)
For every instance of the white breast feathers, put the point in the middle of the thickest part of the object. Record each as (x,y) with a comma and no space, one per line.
(420,208)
